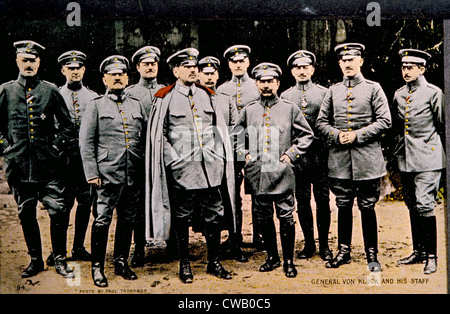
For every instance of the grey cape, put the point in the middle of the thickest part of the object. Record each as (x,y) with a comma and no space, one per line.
(157,201)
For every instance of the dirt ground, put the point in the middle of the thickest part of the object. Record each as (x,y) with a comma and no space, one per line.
(160,276)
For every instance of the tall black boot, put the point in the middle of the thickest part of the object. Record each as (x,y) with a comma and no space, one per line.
(370,234)
(287,234)
(214,267)
(270,242)
(32,237)
(99,241)
(430,239)
(82,216)
(343,257)
(182,235)
(323,214)
(257,233)
(58,232)
(418,255)
(307,224)
(122,244)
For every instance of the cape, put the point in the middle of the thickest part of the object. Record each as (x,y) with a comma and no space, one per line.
(157,198)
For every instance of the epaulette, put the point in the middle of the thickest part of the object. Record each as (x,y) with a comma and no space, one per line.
(206,89)
(164,91)
(7,83)
(287,90)
(398,90)
(50,83)
(321,87)
(434,87)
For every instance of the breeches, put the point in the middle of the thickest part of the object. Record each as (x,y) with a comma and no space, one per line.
(420,191)
(264,207)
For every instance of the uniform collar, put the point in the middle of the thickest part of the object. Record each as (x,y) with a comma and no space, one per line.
(183,89)
(151,84)
(116,97)
(74,86)
(269,102)
(304,85)
(353,81)
(30,82)
(242,79)
(412,86)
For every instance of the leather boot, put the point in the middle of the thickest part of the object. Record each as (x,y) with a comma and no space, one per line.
(82,217)
(305,218)
(138,256)
(270,243)
(121,268)
(99,240)
(36,265)
(235,248)
(372,261)
(213,246)
(430,235)
(98,275)
(182,236)
(287,234)
(343,257)
(418,256)
(62,268)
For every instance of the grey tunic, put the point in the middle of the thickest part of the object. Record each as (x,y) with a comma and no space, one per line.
(243,90)
(419,125)
(76,101)
(112,139)
(272,128)
(361,106)
(144,91)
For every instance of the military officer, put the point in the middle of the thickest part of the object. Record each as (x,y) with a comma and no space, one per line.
(112,146)
(243,90)
(146,60)
(278,136)
(208,76)
(311,170)
(353,116)
(188,164)
(76,97)
(419,125)
(33,158)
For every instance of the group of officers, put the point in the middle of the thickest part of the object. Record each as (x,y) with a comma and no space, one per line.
(171,157)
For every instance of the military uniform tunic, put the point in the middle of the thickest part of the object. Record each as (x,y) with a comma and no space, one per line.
(112,139)
(195,159)
(419,125)
(243,90)
(28,112)
(273,128)
(361,106)
(144,91)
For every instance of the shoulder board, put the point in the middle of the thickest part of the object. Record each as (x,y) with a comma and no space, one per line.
(206,89)
(50,83)
(286,101)
(400,89)
(7,83)
(370,82)
(253,102)
(287,90)
(432,86)
(321,87)
(98,97)
(164,91)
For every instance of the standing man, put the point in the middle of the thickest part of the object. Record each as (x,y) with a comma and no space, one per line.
(112,138)
(208,76)
(312,169)
(188,158)
(243,91)
(146,60)
(77,97)
(419,126)
(353,116)
(29,108)
(278,136)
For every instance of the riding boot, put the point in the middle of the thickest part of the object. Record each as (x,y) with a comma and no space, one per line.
(214,267)
(58,233)
(323,229)
(99,240)
(430,236)
(287,234)
(270,242)
(33,241)
(418,255)
(182,236)
(82,217)
(306,222)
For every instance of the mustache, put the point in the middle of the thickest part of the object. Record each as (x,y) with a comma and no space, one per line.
(28,69)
